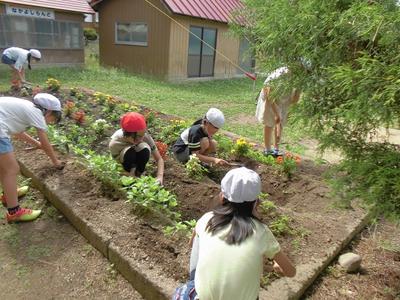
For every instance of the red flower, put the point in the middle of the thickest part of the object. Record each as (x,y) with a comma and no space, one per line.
(162,148)
(79,116)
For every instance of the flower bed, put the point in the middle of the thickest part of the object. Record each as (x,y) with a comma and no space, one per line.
(296,203)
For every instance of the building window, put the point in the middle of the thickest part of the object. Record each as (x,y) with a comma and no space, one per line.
(39,33)
(201,57)
(247,61)
(131,34)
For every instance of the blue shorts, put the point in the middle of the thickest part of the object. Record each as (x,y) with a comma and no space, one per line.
(6,60)
(5,146)
(185,292)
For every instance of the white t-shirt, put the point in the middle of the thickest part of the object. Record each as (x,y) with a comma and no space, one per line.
(228,272)
(118,143)
(19,55)
(16,115)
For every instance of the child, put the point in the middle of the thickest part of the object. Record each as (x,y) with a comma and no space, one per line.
(198,139)
(16,115)
(229,245)
(16,58)
(132,145)
(272,111)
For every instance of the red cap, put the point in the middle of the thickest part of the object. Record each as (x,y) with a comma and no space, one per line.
(133,122)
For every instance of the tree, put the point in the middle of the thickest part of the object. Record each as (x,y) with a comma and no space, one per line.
(352,86)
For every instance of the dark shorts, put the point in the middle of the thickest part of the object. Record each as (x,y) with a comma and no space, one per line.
(138,160)
(6,60)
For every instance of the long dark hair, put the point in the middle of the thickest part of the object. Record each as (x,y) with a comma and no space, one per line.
(29,61)
(239,215)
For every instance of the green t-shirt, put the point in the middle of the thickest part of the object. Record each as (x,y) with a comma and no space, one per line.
(227,272)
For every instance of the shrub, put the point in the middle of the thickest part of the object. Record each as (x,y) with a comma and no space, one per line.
(90,34)
(53,84)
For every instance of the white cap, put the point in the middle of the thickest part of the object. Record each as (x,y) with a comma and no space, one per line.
(35,53)
(215,117)
(241,185)
(47,101)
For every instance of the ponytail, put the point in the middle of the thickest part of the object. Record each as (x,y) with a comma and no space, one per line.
(240,218)
(29,61)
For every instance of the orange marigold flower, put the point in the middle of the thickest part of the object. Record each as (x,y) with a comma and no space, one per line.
(279,160)
(297,159)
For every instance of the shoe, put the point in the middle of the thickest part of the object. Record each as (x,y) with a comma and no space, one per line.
(269,153)
(23,215)
(277,153)
(21,191)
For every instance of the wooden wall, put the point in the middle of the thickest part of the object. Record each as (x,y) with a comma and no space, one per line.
(151,59)
(179,44)
(61,57)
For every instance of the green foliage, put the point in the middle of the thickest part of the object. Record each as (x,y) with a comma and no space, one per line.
(148,193)
(170,132)
(100,126)
(281,225)
(53,84)
(90,34)
(266,205)
(185,227)
(194,168)
(374,176)
(351,86)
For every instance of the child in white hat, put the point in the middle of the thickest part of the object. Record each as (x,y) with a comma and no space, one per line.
(16,115)
(198,139)
(16,58)
(229,244)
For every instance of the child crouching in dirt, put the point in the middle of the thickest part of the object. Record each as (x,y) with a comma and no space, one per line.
(229,244)
(132,145)
(16,115)
(198,139)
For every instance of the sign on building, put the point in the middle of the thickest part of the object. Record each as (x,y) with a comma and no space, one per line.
(30,12)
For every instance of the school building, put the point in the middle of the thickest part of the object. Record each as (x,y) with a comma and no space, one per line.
(55,27)
(158,37)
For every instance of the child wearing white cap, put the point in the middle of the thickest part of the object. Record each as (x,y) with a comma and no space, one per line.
(198,139)
(16,58)
(16,115)
(272,109)
(229,245)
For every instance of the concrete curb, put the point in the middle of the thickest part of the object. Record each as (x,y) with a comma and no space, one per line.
(143,280)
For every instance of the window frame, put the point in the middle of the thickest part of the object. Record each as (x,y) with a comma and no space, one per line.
(199,75)
(141,44)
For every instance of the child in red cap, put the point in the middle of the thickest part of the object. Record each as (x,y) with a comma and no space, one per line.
(132,145)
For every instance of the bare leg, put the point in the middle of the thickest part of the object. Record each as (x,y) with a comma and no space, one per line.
(9,170)
(278,135)
(268,137)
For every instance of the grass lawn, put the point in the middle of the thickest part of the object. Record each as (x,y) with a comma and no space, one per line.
(235,97)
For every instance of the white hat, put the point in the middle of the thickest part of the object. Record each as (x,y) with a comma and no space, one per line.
(35,53)
(47,101)
(241,185)
(215,117)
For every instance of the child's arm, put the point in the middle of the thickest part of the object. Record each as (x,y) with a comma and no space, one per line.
(160,166)
(283,265)
(23,136)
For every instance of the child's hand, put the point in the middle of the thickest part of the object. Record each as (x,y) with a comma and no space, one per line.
(278,269)
(221,162)
(59,164)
